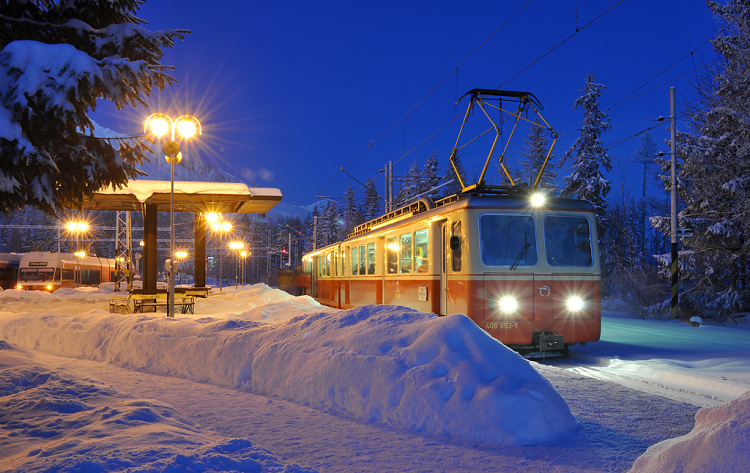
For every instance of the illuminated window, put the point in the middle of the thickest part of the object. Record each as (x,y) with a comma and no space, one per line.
(391,247)
(355,261)
(371,258)
(406,253)
(421,250)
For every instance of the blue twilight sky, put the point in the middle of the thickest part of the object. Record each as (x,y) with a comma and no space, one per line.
(288,91)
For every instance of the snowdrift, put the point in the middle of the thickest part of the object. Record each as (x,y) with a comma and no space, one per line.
(86,426)
(391,365)
(720,441)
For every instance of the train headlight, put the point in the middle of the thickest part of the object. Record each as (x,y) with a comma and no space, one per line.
(575,304)
(48,287)
(507,304)
(537,199)
(19,287)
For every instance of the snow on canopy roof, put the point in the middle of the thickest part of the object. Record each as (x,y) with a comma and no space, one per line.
(189,196)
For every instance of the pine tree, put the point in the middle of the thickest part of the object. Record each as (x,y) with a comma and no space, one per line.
(535,152)
(330,225)
(645,156)
(410,186)
(372,206)
(586,180)
(430,178)
(351,215)
(56,60)
(714,178)
(454,185)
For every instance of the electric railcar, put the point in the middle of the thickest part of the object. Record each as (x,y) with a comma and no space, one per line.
(48,271)
(528,274)
(9,269)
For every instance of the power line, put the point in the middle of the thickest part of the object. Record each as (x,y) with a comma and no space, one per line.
(454,71)
(560,43)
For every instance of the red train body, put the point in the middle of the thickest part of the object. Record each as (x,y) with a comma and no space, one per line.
(530,276)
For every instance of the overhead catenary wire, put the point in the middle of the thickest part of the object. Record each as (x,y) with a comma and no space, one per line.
(454,71)
(626,98)
(578,30)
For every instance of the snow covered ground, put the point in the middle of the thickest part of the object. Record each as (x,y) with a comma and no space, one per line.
(258,380)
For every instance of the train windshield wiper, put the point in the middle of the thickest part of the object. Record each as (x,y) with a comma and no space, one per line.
(522,253)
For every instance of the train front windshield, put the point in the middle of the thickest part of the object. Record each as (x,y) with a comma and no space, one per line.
(567,241)
(37,274)
(508,240)
(511,240)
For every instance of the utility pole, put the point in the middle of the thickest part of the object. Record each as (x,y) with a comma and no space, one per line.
(387,193)
(390,186)
(673,175)
(315,232)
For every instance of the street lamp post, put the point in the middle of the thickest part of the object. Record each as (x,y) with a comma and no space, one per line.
(160,124)
(77,227)
(180,255)
(237,246)
(243,254)
(221,227)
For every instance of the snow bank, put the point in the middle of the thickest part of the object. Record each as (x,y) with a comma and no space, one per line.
(85,426)
(440,376)
(720,441)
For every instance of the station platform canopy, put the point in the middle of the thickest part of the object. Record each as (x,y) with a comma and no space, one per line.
(199,198)
(189,196)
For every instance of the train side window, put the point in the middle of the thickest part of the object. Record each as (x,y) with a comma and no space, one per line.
(421,250)
(371,258)
(406,253)
(391,247)
(455,245)
(355,261)
(362,260)
(328,264)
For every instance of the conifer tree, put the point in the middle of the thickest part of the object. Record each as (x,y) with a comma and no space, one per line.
(372,206)
(410,186)
(714,176)
(454,185)
(430,177)
(586,181)
(56,60)
(535,152)
(350,213)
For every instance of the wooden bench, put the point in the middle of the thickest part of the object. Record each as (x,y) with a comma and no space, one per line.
(194,291)
(119,305)
(148,301)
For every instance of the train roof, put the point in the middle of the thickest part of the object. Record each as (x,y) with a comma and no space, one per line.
(512,198)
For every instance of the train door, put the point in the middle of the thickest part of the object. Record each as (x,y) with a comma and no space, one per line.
(443,259)
(314,276)
(342,280)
